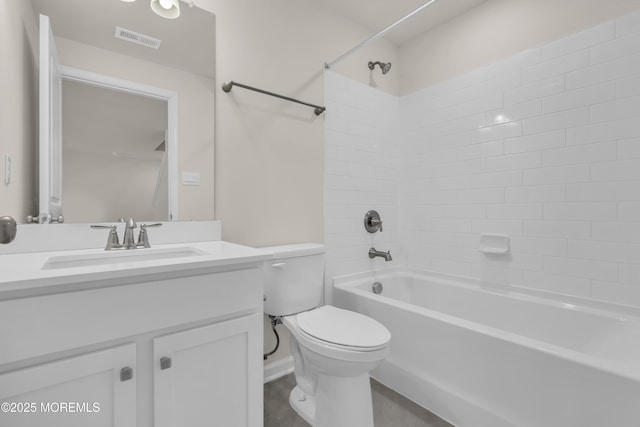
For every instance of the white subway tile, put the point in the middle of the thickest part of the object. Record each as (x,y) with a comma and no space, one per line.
(514,112)
(536,193)
(629,211)
(451,182)
(455,225)
(589,269)
(603,72)
(514,161)
(629,86)
(605,251)
(497,179)
(534,91)
(554,121)
(629,148)
(361,170)
(496,132)
(458,125)
(462,167)
(459,211)
(603,191)
(523,261)
(628,24)
(481,195)
(558,229)
(535,142)
(489,101)
(580,154)
(582,211)
(616,171)
(629,274)
(561,284)
(539,245)
(616,293)
(614,49)
(556,175)
(555,66)
(503,226)
(579,97)
(616,231)
(579,41)
(615,110)
(475,151)
(515,211)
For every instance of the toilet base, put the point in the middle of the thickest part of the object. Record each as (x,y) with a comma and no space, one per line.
(304,405)
(339,402)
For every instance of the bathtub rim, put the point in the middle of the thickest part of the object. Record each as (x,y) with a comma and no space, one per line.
(350,283)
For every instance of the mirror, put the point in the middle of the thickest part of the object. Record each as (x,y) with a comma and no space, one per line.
(123,150)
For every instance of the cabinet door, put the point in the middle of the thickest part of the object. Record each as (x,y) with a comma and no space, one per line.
(210,376)
(79,391)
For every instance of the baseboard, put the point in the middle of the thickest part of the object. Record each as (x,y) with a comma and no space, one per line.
(277,369)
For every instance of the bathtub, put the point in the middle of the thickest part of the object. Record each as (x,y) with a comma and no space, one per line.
(482,355)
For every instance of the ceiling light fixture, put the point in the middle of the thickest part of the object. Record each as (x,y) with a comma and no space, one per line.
(169,9)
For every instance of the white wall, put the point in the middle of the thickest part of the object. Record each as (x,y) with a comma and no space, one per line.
(542,146)
(495,30)
(18,108)
(269,153)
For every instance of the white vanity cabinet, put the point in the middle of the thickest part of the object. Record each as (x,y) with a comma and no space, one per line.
(204,376)
(94,389)
(174,348)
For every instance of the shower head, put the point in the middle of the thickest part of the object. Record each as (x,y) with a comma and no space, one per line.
(384,66)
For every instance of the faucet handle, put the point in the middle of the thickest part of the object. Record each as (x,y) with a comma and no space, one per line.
(112,240)
(143,237)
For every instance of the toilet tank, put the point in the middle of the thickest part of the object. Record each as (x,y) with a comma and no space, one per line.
(294,278)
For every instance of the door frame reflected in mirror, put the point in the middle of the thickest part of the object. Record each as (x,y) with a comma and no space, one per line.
(134,88)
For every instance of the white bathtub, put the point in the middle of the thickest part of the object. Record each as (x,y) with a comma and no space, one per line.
(480,355)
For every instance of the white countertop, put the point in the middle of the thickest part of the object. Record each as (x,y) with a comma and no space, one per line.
(23,271)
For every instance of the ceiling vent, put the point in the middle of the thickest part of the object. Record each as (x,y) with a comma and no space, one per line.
(137,38)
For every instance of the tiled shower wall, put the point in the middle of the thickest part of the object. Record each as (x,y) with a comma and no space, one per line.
(361,173)
(544,147)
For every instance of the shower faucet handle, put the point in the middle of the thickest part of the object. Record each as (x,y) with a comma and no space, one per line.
(372,221)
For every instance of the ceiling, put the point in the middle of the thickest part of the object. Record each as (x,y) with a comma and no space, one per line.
(186,41)
(379,14)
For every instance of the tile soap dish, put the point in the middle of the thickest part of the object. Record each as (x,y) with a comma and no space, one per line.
(496,244)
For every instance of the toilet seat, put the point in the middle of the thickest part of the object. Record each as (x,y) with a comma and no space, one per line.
(343,328)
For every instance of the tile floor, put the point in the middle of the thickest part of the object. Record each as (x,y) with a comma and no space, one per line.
(389,408)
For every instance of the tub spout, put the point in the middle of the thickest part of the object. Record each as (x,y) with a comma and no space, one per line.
(374,253)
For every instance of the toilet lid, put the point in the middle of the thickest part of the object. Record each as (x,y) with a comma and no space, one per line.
(343,327)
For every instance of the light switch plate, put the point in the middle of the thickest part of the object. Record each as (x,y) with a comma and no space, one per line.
(7,169)
(190,178)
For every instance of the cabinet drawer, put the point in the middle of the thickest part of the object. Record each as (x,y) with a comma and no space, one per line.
(35,326)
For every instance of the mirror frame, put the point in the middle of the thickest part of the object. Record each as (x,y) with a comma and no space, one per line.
(134,88)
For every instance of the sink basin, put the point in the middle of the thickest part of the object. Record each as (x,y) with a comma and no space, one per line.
(119,257)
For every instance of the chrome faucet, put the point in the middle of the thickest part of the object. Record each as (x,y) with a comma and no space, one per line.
(374,253)
(128,241)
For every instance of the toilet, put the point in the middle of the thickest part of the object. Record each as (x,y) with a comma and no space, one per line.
(333,349)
